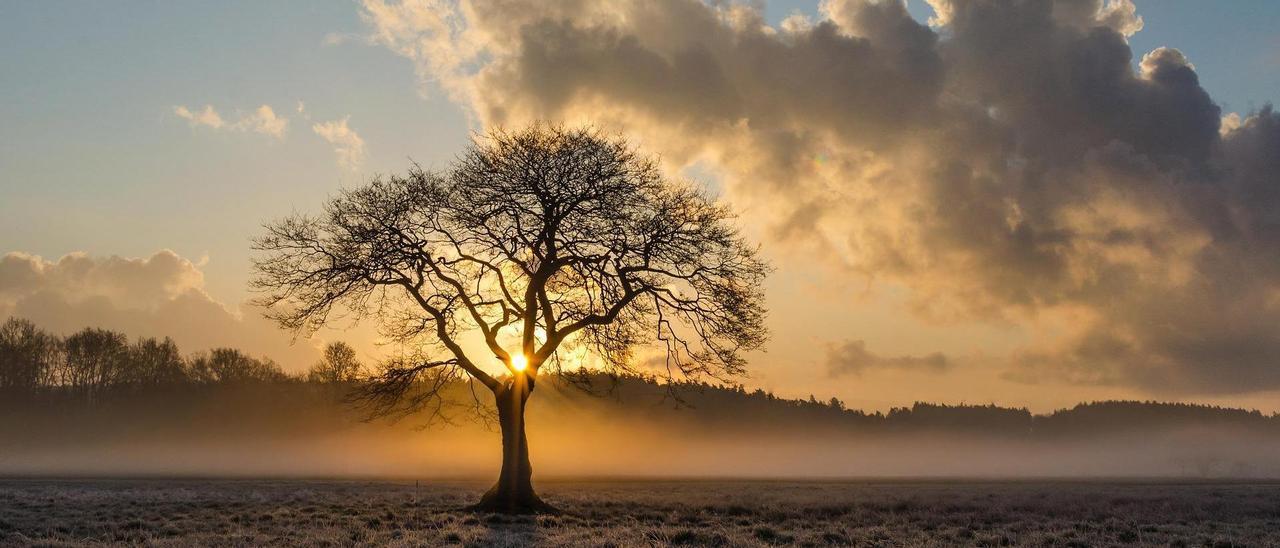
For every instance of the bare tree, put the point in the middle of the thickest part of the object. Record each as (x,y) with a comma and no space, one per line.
(338,365)
(154,362)
(532,243)
(95,360)
(231,366)
(28,355)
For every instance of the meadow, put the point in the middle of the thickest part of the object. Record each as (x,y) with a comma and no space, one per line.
(168,512)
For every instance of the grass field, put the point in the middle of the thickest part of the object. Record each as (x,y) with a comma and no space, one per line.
(640,513)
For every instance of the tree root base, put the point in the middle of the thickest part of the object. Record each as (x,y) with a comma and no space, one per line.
(520,504)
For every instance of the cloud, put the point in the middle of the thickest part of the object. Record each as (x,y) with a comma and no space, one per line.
(157,296)
(852,358)
(1119,15)
(347,144)
(207,117)
(265,121)
(1009,165)
(433,33)
(262,120)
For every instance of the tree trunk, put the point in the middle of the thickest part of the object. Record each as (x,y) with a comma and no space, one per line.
(513,493)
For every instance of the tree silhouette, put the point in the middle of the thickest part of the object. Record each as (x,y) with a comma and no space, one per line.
(28,355)
(533,242)
(154,362)
(95,360)
(231,366)
(338,365)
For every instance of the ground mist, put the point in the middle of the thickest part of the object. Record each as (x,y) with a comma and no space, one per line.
(631,427)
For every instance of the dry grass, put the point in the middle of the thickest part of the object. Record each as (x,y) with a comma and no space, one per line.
(335,513)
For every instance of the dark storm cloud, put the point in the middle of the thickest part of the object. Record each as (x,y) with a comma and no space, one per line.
(1011,164)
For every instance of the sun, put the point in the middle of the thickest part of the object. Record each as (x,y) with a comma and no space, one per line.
(519,362)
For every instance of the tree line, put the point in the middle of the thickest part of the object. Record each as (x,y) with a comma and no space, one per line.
(95,362)
(92,361)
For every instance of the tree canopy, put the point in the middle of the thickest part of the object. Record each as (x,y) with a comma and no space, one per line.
(549,237)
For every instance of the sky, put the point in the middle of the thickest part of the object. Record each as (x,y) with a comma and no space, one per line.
(967,201)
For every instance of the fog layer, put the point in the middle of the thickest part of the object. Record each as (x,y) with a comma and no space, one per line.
(305,429)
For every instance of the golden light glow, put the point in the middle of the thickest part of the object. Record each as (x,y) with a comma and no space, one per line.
(519,362)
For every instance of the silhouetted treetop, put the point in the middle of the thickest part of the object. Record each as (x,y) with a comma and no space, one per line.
(542,234)
(339,364)
(28,355)
(93,361)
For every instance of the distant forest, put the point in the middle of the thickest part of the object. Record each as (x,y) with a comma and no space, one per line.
(98,367)
(93,361)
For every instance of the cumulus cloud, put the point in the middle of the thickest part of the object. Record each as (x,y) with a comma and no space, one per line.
(852,358)
(207,117)
(265,121)
(262,120)
(347,144)
(1007,165)
(157,296)
(431,32)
